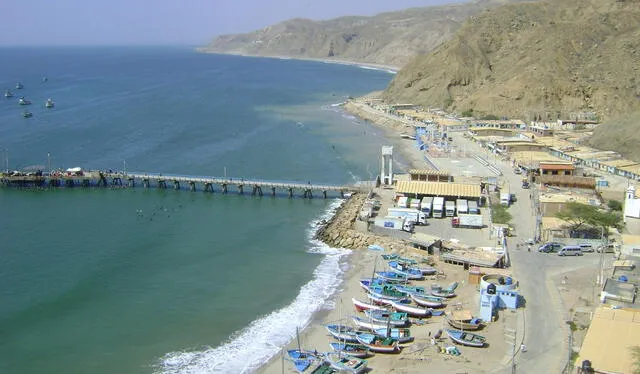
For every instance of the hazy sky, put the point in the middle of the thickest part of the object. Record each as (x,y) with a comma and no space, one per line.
(194,22)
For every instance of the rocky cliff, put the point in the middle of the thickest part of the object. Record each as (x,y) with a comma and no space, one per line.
(391,38)
(544,59)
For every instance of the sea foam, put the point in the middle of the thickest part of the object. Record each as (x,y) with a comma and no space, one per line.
(248,349)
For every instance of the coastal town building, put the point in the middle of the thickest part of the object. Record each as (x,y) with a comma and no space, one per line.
(420,189)
(556,168)
(631,203)
(386,166)
(513,124)
(609,339)
(430,175)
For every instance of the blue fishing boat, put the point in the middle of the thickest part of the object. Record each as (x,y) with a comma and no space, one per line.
(23,101)
(418,290)
(346,364)
(27,114)
(427,300)
(8,94)
(368,282)
(391,256)
(387,292)
(378,344)
(375,247)
(402,334)
(409,273)
(391,276)
(386,317)
(467,338)
(302,360)
(342,333)
(351,349)
(19,86)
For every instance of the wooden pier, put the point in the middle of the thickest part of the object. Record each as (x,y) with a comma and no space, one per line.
(254,187)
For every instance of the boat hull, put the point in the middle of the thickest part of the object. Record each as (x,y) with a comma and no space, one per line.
(402,334)
(379,345)
(342,333)
(362,306)
(466,338)
(429,302)
(411,310)
(351,349)
(463,325)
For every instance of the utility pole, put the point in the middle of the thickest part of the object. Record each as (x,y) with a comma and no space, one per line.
(49,163)
(124,166)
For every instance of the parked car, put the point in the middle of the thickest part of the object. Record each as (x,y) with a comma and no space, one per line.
(586,247)
(609,248)
(570,250)
(550,247)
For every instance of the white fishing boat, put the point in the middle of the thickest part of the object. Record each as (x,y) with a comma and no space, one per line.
(361,305)
(413,310)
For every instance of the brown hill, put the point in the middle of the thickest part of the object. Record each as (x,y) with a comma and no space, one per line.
(620,134)
(391,38)
(549,58)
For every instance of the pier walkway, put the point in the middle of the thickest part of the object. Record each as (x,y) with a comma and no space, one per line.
(255,187)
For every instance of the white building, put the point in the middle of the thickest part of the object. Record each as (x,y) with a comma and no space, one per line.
(631,203)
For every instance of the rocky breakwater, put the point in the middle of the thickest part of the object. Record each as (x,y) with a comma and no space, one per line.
(338,232)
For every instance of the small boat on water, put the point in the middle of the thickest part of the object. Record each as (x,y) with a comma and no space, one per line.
(19,86)
(361,305)
(49,104)
(342,333)
(412,310)
(427,300)
(27,114)
(463,320)
(8,94)
(403,334)
(466,338)
(378,344)
(386,317)
(345,363)
(23,101)
(351,349)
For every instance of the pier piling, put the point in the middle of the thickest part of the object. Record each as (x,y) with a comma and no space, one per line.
(162,184)
(273,192)
(192,186)
(241,189)
(145,182)
(176,184)
(224,188)
(208,187)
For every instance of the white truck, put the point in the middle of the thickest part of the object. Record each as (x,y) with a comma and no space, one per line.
(426,205)
(402,202)
(450,208)
(410,214)
(438,207)
(461,206)
(395,223)
(505,196)
(473,221)
(473,207)
(414,204)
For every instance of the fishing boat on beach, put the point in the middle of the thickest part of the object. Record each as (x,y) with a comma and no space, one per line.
(448,292)
(378,344)
(23,101)
(351,349)
(403,334)
(466,338)
(427,300)
(387,292)
(418,290)
(412,310)
(342,333)
(302,360)
(404,268)
(463,320)
(382,301)
(362,306)
(391,276)
(49,104)
(8,94)
(321,367)
(386,317)
(391,256)
(375,248)
(367,324)
(346,364)
(368,282)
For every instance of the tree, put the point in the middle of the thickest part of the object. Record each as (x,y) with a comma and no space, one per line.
(579,215)
(615,205)
(499,214)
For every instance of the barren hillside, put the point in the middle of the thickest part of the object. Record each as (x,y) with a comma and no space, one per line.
(548,59)
(389,38)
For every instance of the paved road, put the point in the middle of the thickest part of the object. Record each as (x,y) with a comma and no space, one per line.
(544,315)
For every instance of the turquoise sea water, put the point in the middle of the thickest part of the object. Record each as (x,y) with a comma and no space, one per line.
(142,281)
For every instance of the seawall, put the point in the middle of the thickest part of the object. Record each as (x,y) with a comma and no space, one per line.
(339,231)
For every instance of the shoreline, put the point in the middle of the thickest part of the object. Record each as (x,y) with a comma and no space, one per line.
(389,68)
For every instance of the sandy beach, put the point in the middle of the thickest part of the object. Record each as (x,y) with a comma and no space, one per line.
(419,355)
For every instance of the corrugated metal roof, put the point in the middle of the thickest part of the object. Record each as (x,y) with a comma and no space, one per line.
(607,342)
(429,172)
(438,188)
(558,166)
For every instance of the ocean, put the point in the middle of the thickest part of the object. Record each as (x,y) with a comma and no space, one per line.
(163,281)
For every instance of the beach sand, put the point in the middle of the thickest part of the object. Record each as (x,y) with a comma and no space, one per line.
(418,356)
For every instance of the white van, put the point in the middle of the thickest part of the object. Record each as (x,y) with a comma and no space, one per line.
(570,250)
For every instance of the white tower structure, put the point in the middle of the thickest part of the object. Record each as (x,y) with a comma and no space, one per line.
(386,167)
(631,204)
